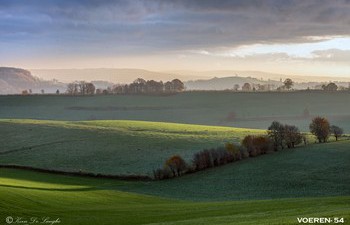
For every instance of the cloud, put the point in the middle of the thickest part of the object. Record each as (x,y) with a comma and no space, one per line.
(138,27)
(332,55)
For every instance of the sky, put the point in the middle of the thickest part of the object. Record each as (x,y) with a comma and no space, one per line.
(310,38)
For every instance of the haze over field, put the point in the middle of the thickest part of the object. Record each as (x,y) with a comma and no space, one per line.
(174,112)
(305,38)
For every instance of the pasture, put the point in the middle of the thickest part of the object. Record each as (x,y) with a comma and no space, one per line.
(247,110)
(107,147)
(94,201)
(111,135)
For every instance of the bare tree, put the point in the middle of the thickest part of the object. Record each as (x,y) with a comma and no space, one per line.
(336,131)
(90,88)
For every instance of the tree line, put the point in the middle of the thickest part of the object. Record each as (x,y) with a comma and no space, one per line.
(139,86)
(279,137)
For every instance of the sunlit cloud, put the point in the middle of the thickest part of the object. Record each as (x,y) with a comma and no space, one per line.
(181,34)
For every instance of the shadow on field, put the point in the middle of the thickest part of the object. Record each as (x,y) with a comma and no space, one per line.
(50,189)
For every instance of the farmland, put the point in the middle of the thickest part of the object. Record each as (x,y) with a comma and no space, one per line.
(247,110)
(94,201)
(132,135)
(133,147)
(107,147)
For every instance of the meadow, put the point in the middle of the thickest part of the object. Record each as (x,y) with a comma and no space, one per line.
(271,189)
(246,110)
(107,147)
(112,135)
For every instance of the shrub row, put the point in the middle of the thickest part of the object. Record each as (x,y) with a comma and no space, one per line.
(176,166)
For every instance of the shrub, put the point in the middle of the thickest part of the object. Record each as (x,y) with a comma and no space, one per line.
(176,165)
(337,131)
(211,157)
(244,152)
(234,150)
(292,135)
(276,134)
(320,128)
(282,135)
(161,174)
(256,145)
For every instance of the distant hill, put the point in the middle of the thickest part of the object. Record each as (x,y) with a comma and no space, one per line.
(15,80)
(259,75)
(226,83)
(109,74)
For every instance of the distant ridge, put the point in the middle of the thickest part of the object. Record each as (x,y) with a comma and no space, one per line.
(225,83)
(120,75)
(15,80)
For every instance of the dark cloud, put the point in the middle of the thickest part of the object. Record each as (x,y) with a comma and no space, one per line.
(122,27)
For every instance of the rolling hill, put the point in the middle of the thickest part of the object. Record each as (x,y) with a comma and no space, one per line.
(15,80)
(107,147)
(93,201)
(136,148)
(123,75)
(208,196)
(245,110)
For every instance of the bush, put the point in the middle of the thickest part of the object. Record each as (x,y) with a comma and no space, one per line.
(320,127)
(256,145)
(234,150)
(284,135)
(211,157)
(292,135)
(336,131)
(176,165)
(244,152)
(161,174)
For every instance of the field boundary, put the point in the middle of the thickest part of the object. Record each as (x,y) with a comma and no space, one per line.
(37,146)
(80,174)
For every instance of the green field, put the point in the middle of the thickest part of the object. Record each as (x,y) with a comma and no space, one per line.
(251,110)
(67,133)
(97,201)
(313,171)
(107,147)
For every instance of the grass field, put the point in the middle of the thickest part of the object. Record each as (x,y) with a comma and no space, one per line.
(67,133)
(133,147)
(108,147)
(313,171)
(250,110)
(94,201)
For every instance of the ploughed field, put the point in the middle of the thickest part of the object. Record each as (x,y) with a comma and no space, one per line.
(248,110)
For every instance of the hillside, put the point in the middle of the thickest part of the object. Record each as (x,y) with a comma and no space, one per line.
(136,147)
(246,110)
(312,171)
(107,147)
(96,201)
(15,80)
(124,75)
(225,83)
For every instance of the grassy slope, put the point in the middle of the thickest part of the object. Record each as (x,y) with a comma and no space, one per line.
(208,108)
(91,201)
(312,171)
(109,147)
